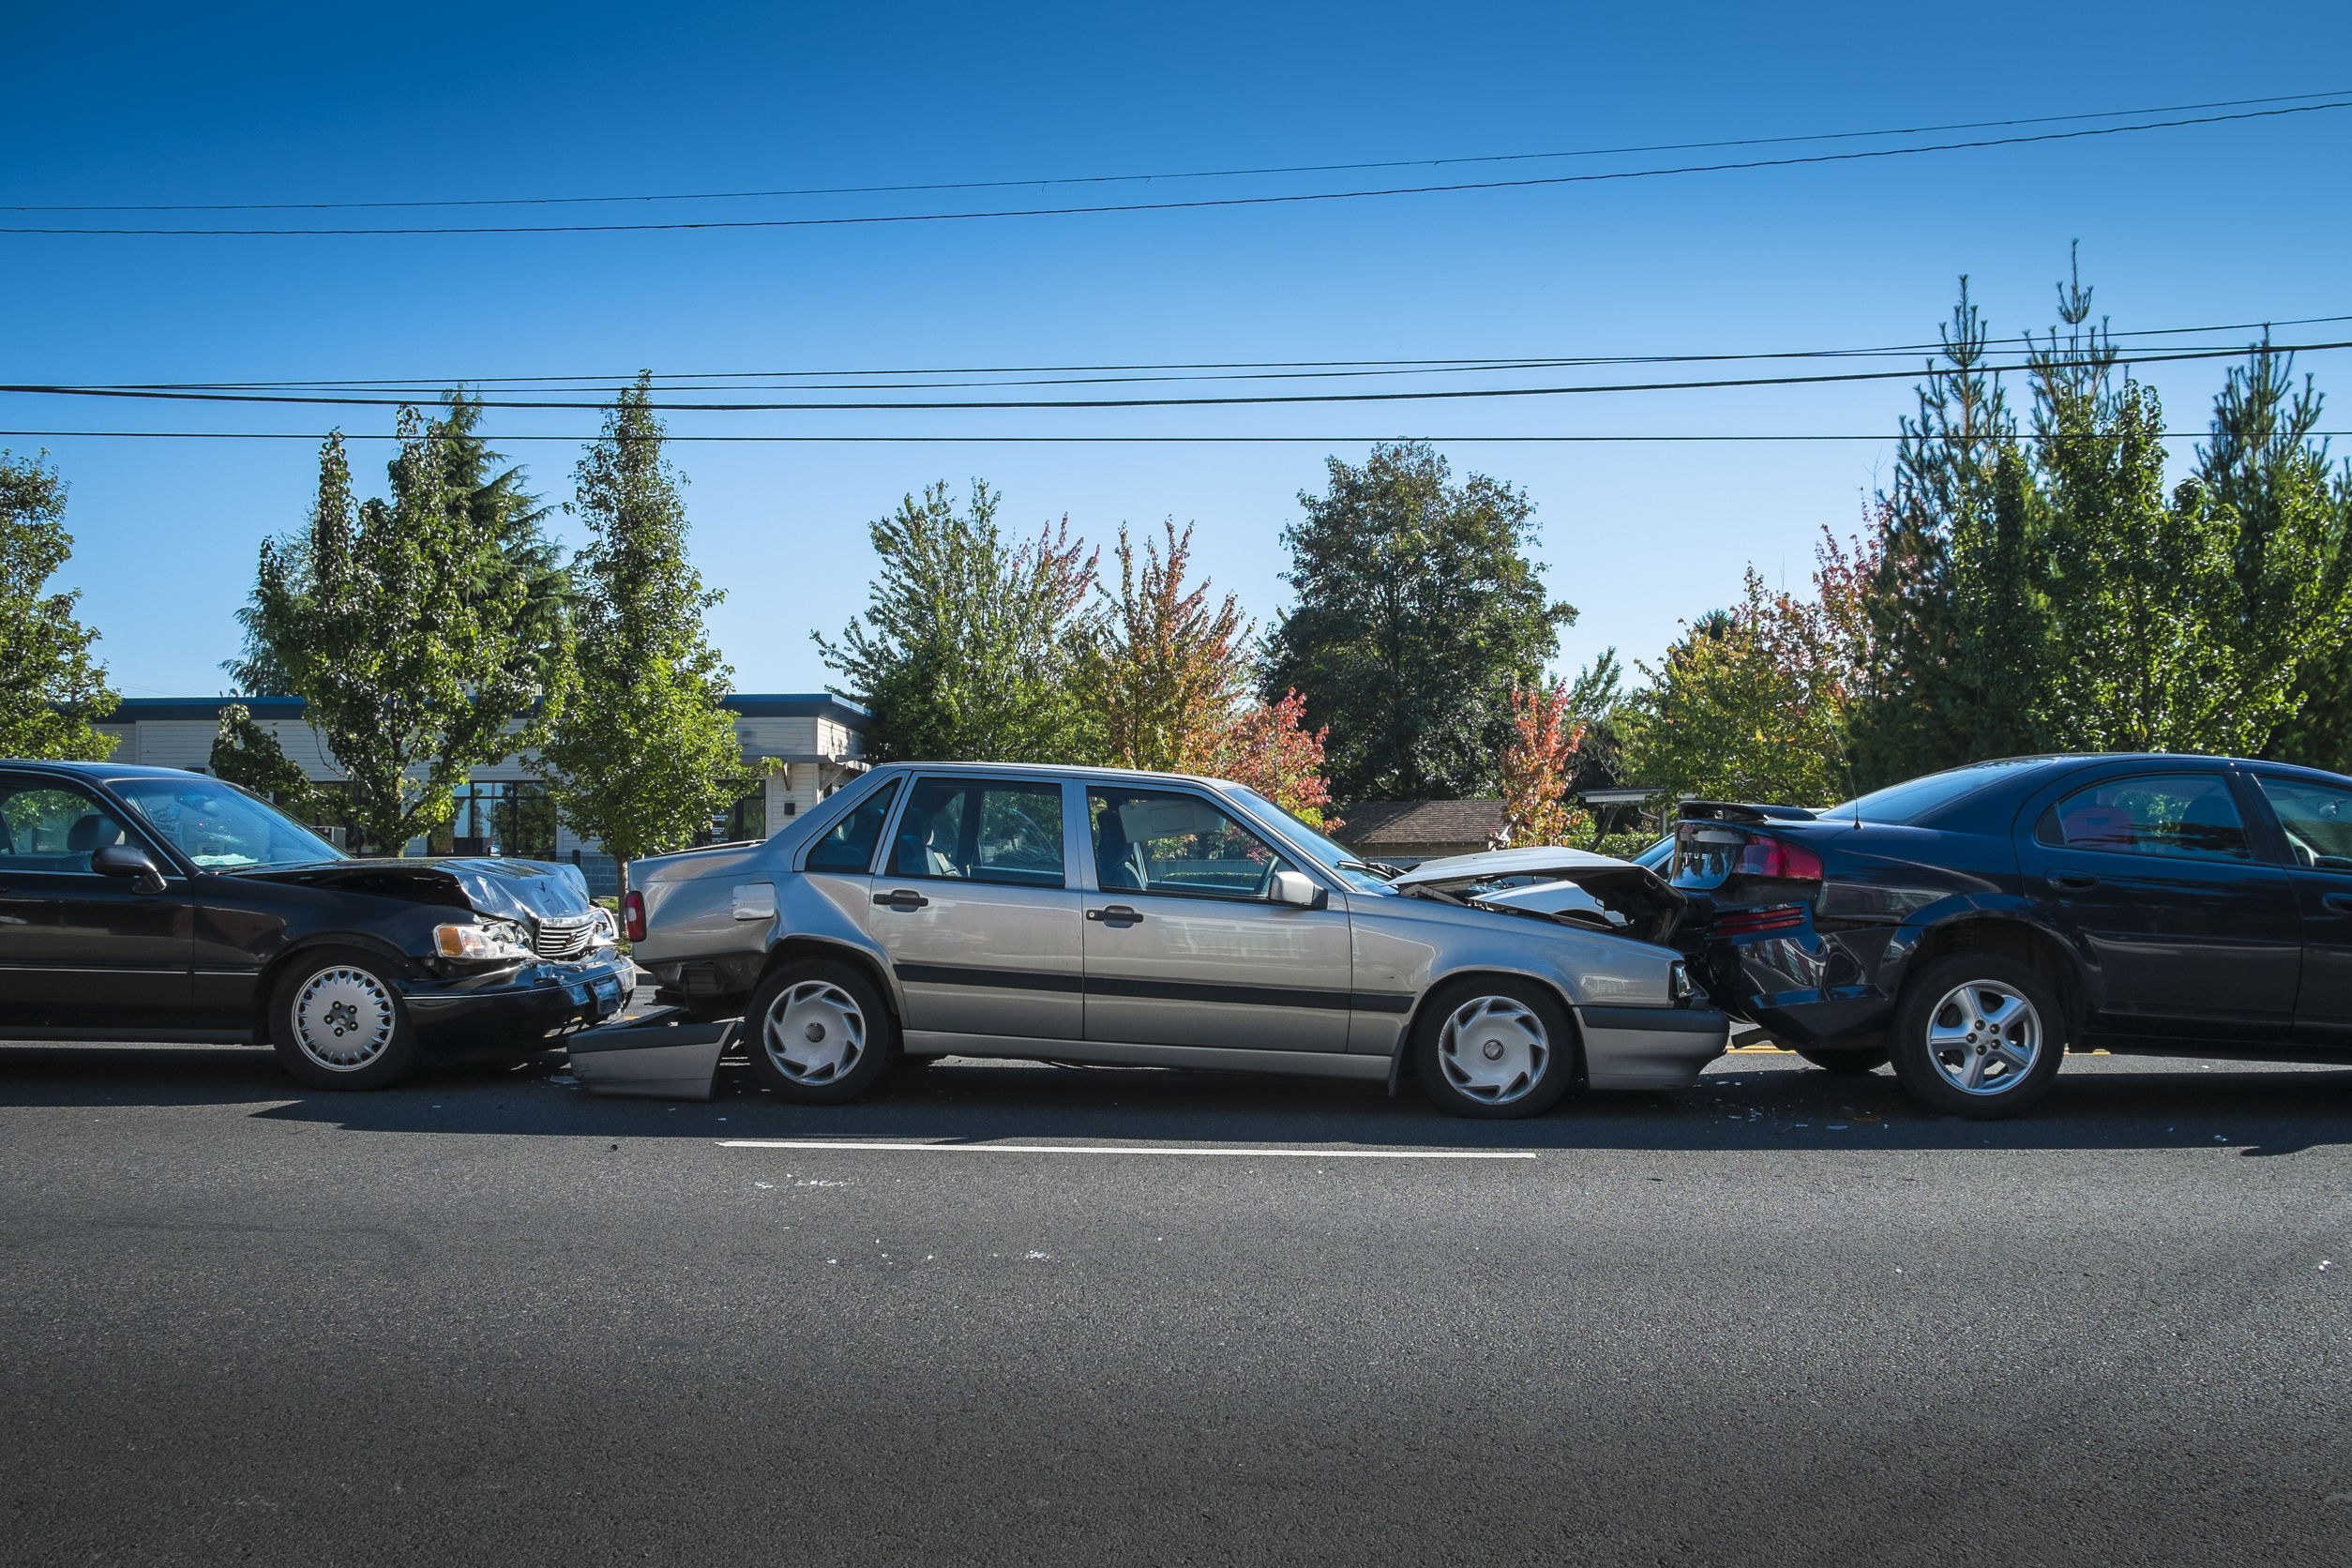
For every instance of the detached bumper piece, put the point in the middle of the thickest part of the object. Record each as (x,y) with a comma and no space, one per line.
(657,1060)
(1650,1047)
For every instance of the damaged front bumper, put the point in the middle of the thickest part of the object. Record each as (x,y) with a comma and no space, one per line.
(1650,1047)
(531,999)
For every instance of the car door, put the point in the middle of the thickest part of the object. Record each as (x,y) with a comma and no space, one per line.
(2155,874)
(1184,944)
(2317,819)
(81,953)
(975,909)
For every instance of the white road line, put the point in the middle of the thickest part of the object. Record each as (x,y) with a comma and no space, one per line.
(1123,1149)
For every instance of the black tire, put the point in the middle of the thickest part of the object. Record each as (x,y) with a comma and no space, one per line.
(338,1021)
(1936,1041)
(807,1061)
(1532,1035)
(1868,1060)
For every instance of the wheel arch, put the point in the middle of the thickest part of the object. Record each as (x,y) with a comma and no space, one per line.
(793,949)
(266,984)
(2010,938)
(1403,1068)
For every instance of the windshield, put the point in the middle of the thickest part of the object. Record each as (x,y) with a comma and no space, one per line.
(1325,850)
(218,826)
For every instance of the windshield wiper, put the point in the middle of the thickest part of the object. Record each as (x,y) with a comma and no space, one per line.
(1379,868)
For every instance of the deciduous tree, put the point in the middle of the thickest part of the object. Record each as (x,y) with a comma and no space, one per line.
(417,628)
(51,688)
(1169,662)
(644,755)
(1537,767)
(1267,748)
(971,645)
(1417,612)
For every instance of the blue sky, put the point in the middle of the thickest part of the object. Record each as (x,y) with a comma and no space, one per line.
(2223,223)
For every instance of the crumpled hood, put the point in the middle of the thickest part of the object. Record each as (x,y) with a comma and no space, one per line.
(496,886)
(1575,887)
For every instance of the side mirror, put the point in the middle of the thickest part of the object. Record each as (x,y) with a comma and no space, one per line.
(128,860)
(1298,890)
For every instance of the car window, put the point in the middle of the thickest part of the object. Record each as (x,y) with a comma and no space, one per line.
(2317,818)
(2167,814)
(1166,841)
(219,827)
(980,830)
(1915,798)
(46,825)
(849,844)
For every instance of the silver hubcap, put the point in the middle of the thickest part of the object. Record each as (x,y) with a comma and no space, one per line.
(1494,1048)
(343,1019)
(814,1034)
(1984,1038)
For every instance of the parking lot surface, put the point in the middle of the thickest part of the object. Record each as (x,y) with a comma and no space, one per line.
(1783,1318)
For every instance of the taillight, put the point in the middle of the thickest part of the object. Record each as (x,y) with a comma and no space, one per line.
(1772,857)
(1741,923)
(633,916)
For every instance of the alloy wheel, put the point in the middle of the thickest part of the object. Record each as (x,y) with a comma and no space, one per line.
(1494,1048)
(1984,1038)
(814,1032)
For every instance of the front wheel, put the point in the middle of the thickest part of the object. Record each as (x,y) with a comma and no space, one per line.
(1494,1048)
(338,1022)
(1979,1035)
(818,1034)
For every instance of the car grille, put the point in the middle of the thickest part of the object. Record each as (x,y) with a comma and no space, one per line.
(563,938)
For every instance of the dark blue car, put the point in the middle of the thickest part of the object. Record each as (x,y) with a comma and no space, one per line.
(1977,924)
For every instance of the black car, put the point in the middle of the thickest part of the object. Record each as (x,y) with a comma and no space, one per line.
(1978,924)
(154,904)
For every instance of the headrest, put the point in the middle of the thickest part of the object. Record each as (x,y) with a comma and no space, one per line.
(91,833)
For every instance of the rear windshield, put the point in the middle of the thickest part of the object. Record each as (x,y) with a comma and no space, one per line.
(1910,801)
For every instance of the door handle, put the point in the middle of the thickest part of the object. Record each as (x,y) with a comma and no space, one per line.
(1117,914)
(2340,902)
(901,898)
(2073,879)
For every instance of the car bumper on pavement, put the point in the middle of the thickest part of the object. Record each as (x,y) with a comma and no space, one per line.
(1650,1047)
(528,1001)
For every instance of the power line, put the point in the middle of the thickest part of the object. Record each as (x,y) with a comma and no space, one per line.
(431,386)
(1252,399)
(1201,204)
(1069,440)
(1185,174)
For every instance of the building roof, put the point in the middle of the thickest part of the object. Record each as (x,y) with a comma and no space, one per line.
(1419,822)
(822,704)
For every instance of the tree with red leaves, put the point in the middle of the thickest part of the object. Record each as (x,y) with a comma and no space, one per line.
(1269,748)
(1536,767)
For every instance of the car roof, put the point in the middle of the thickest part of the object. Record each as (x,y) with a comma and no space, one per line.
(1059,770)
(100,772)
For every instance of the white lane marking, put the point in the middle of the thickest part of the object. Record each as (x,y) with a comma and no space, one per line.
(1120,1149)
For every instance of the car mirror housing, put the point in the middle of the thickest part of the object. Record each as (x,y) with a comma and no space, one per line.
(128,860)
(1298,890)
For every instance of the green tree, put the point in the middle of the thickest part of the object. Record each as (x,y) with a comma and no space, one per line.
(246,753)
(1418,614)
(1169,662)
(417,628)
(644,754)
(51,688)
(971,645)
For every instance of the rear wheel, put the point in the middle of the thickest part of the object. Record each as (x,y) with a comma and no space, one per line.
(1855,1062)
(1495,1048)
(817,1033)
(1979,1035)
(338,1022)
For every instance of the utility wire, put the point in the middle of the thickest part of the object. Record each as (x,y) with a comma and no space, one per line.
(1072,439)
(1191,206)
(1185,175)
(349,400)
(431,386)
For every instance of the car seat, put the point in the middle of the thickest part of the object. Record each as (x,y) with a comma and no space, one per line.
(1111,851)
(909,858)
(2210,826)
(2098,827)
(92,833)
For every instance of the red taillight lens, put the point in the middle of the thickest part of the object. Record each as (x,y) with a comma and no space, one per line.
(633,916)
(1771,857)
(1741,923)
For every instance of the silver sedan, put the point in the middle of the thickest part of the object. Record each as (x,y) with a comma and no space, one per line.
(1091,915)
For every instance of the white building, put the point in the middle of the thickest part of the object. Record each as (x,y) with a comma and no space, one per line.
(815,744)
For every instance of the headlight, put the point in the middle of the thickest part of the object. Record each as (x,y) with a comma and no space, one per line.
(495,939)
(606,932)
(1680,985)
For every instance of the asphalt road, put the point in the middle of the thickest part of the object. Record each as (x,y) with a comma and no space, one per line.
(1781,1318)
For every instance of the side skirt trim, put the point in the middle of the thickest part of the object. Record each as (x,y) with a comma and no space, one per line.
(1111,1053)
